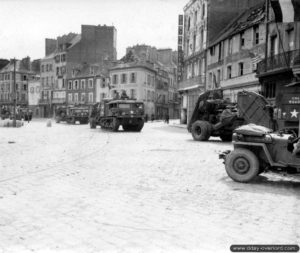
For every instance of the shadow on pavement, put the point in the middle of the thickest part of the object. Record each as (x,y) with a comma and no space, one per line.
(283,185)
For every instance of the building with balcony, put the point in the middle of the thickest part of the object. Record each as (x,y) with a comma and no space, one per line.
(279,73)
(232,59)
(203,21)
(14,78)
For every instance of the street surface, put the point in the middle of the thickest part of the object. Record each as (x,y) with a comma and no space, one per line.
(70,188)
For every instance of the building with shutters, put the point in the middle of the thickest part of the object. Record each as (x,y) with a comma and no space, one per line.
(232,58)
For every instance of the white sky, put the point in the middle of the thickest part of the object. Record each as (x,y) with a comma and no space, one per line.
(26,23)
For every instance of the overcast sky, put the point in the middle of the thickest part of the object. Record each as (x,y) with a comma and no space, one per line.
(26,23)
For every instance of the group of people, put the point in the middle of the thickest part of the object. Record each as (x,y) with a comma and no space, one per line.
(21,113)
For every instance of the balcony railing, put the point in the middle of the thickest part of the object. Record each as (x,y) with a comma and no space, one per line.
(197,80)
(285,60)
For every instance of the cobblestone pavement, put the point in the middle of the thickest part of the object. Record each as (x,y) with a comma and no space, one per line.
(69,188)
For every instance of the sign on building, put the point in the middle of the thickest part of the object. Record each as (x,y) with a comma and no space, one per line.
(180,48)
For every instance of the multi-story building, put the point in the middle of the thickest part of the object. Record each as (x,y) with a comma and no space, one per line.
(232,58)
(86,86)
(34,95)
(14,78)
(279,72)
(166,88)
(137,79)
(47,80)
(95,45)
(203,21)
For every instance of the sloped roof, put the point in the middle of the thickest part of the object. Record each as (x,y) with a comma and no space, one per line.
(19,67)
(248,18)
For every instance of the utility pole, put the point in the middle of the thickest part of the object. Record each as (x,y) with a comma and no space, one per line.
(15,95)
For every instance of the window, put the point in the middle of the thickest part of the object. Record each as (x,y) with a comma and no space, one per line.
(70,97)
(70,85)
(133,93)
(228,72)
(132,77)
(256,34)
(75,97)
(24,77)
(82,99)
(290,38)
(220,56)
(91,83)
(123,78)
(153,97)
(63,57)
(242,40)
(91,97)
(63,83)
(194,43)
(212,51)
(241,68)
(50,67)
(76,85)
(196,14)
(25,87)
(189,23)
(47,81)
(43,68)
(203,10)
(92,71)
(230,46)
(82,84)
(148,79)
(57,71)
(51,82)
(269,90)
(102,96)
(148,95)
(47,68)
(115,79)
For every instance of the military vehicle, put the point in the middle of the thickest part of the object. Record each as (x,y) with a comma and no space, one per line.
(214,116)
(258,149)
(72,114)
(112,113)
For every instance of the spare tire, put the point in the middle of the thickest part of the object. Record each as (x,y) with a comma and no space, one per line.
(201,130)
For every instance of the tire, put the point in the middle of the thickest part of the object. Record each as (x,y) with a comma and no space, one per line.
(126,128)
(140,126)
(201,130)
(73,121)
(226,137)
(242,165)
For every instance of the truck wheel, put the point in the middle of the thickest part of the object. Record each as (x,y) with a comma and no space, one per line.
(242,165)
(226,137)
(140,126)
(201,130)
(58,120)
(126,127)
(73,121)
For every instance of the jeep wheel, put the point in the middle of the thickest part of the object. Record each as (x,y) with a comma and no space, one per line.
(140,126)
(242,165)
(201,130)
(226,137)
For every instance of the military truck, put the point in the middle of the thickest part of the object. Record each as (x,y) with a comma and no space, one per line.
(214,116)
(72,114)
(112,113)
